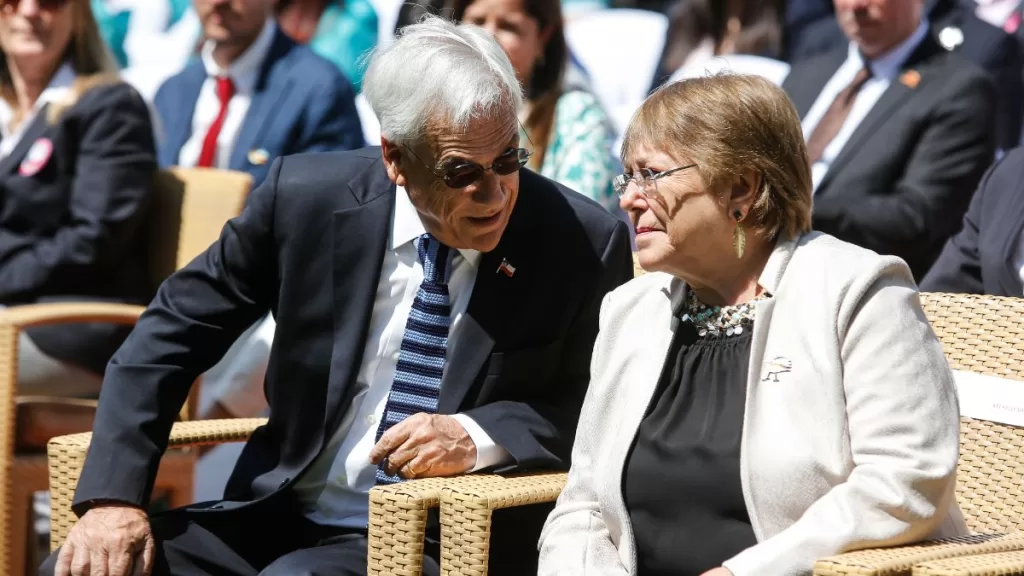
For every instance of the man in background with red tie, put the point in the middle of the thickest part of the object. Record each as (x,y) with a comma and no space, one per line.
(899,131)
(253,95)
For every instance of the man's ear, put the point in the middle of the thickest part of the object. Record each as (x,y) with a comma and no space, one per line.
(392,155)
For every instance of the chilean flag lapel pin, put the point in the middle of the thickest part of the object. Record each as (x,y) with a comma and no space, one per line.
(506,268)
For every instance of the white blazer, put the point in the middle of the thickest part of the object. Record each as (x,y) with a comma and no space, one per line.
(850,434)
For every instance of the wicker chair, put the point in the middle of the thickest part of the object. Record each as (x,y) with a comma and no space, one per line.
(979,334)
(189,208)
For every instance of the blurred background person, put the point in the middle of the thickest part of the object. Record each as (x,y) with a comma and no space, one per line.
(956,27)
(987,255)
(705,36)
(253,95)
(77,166)
(686,461)
(899,132)
(570,132)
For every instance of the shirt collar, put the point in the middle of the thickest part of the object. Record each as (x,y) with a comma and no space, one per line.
(58,89)
(407,226)
(888,66)
(245,70)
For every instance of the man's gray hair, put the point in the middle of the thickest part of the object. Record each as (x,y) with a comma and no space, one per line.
(438,71)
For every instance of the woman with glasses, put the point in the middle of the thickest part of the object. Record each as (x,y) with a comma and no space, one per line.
(764,396)
(569,129)
(76,170)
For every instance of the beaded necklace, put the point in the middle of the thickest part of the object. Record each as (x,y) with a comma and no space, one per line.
(711,321)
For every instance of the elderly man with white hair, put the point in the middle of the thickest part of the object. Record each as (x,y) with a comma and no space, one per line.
(436,310)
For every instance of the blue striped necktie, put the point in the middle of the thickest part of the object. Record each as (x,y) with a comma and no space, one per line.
(417,384)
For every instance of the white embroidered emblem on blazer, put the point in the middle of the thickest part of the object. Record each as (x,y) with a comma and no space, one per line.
(855,445)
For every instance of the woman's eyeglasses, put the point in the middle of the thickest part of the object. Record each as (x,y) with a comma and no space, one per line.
(646,180)
(11,6)
(464,173)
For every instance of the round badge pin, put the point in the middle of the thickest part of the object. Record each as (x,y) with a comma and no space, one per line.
(258,157)
(951,37)
(38,155)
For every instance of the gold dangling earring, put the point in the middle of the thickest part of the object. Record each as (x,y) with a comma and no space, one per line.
(739,235)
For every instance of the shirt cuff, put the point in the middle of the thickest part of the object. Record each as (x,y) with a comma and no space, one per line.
(488,453)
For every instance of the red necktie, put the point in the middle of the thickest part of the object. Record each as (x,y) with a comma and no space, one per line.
(225,90)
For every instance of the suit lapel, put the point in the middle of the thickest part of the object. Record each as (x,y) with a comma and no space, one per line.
(496,299)
(895,96)
(177,126)
(898,94)
(805,89)
(32,133)
(1011,221)
(271,90)
(360,239)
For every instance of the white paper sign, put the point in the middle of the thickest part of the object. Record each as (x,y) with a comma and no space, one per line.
(990,397)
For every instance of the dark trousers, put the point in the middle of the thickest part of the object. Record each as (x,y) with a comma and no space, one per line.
(262,539)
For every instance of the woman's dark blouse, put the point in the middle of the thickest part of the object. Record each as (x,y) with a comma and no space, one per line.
(682,478)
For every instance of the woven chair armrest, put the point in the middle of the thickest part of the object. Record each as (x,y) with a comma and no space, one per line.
(900,561)
(183,434)
(467,505)
(494,492)
(398,525)
(70,312)
(66,456)
(998,564)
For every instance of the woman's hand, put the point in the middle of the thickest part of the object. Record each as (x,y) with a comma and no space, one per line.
(720,571)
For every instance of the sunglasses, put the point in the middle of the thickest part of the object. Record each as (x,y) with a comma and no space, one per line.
(462,173)
(11,6)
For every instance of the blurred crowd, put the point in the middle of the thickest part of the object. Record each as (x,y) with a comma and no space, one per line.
(912,120)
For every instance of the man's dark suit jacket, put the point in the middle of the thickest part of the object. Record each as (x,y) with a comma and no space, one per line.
(979,259)
(904,179)
(72,230)
(309,246)
(999,53)
(301,103)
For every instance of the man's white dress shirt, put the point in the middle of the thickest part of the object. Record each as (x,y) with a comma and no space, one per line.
(58,89)
(244,72)
(334,490)
(884,70)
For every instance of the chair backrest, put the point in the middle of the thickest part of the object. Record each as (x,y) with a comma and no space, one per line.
(985,334)
(982,334)
(189,210)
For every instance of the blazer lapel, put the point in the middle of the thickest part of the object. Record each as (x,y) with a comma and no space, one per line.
(32,133)
(271,90)
(177,125)
(496,298)
(1011,221)
(360,239)
(899,93)
(804,90)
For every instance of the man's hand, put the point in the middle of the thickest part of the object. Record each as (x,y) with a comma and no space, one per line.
(109,540)
(720,571)
(424,446)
